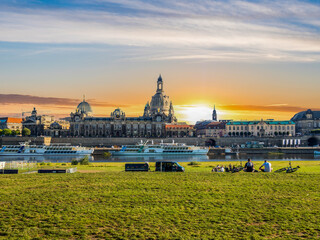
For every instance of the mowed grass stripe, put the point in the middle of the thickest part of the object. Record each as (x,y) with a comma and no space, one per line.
(149,205)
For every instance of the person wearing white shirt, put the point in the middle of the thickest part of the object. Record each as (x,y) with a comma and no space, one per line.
(266,167)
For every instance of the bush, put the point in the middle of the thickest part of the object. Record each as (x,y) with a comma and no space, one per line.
(15,132)
(42,163)
(74,162)
(26,132)
(194,164)
(84,161)
(7,132)
(106,154)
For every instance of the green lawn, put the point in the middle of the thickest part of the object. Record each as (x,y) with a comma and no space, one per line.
(103,201)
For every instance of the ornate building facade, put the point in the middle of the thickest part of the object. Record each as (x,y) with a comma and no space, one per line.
(307,121)
(44,125)
(152,124)
(269,128)
(211,129)
(180,130)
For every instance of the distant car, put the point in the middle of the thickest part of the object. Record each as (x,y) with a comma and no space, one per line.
(137,167)
(169,167)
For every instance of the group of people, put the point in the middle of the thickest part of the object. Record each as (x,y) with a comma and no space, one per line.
(218,169)
(265,167)
(248,167)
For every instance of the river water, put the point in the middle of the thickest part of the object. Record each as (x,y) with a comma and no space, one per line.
(176,158)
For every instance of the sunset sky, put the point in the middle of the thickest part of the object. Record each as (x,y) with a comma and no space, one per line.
(252,59)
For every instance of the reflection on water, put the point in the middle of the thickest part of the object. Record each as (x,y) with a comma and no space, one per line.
(177,158)
(42,158)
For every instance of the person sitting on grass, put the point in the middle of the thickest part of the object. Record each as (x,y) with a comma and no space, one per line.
(249,166)
(266,167)
(216,169)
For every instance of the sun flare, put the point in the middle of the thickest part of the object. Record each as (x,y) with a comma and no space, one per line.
(193,113)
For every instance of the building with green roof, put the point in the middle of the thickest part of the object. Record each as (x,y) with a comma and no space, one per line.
(268,128)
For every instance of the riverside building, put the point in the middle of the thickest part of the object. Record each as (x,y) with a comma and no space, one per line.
(152,123)
(44,125)
(268,128)
(307,121)
(11,123)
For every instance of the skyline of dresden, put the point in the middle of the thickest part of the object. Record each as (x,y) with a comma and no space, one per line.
(252,59)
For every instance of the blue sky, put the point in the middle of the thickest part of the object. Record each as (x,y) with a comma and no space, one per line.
(237,53)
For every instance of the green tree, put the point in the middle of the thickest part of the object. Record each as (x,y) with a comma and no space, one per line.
(1,132)
(7,132)
(15,132)
(84,161)
(26,132)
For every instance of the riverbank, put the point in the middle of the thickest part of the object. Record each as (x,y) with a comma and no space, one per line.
(267,150)
(103,201)
(198,141)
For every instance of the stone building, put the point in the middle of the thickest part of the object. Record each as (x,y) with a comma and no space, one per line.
(156,115)
(43,125)
(210,129)
(58,128)
(269,128)
(306,121)
(179,130)
(11,123)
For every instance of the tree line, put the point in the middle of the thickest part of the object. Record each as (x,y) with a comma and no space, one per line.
(9,132)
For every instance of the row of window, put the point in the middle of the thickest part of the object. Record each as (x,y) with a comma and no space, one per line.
(170,151)
(265,134)
(261,128)
(60,151)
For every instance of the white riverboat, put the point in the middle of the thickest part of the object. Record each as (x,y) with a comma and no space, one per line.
(159,149)
(317,153)
(24,149)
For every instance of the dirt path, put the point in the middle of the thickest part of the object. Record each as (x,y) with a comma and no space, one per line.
(89,171)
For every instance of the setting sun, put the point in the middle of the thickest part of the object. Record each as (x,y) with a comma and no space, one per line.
(194,113)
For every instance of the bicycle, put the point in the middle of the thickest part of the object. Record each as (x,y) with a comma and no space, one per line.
(234,169)
(289,169)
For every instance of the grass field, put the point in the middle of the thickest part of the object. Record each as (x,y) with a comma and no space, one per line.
(103,201)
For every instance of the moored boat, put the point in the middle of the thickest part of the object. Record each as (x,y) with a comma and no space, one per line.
(317,153)
(24,149)
(159,149)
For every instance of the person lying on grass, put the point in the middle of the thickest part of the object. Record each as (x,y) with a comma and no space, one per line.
(265,167)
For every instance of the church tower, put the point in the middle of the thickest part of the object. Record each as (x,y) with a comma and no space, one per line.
(159,84)
(160,107)
(214,114)
(146,112)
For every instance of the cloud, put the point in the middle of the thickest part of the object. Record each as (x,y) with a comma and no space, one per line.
(177,30)
(269,108)
(62,103)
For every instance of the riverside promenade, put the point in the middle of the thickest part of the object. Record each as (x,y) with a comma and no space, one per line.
(96,141)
